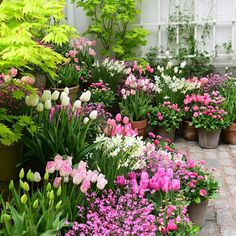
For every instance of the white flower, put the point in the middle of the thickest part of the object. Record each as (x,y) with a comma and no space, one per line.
(77,104)
(39,107)
(176,69)
(86,119)
(183,64)
(169,64)
(65,101)
(46,95)
(93,115)
(32,100)
(47,105)
(55,95)
(85,97)
(66,90)
(167,53)
(63,95)
(37,177)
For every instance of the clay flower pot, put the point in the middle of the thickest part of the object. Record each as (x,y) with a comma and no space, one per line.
(161,130)
(229,134)
(73,92)
(140,126)
(189,132)
(197,213)
(208,139)
(10,156)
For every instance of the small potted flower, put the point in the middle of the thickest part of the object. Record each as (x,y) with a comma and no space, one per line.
(166,118)
(208,117)
(136,101)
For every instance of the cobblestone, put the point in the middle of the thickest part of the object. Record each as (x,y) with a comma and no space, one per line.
(221,212)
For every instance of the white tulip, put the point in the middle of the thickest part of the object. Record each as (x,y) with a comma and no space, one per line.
(183,64)
(39,107)
(176,70)
(86,120)
(55,95)
(37,177)
(27,101)
(77,104)
(63,95)
(47,105)
(85,97)
(169,64)
(46,95)
(66,90)
(66,101)
(33,100)
(93,115)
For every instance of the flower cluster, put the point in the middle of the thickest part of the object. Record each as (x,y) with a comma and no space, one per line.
(167,115)
(120,126)
(214,81)
(116,214)
(114,66)
(205,110)
(101,93)
(83,44)
(139,71)
(79,175)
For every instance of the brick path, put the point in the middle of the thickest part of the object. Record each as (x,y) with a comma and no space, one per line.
(221,217)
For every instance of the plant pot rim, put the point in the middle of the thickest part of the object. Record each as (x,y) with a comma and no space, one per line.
(212,131)
(139,121)
(232,127)
(70,88)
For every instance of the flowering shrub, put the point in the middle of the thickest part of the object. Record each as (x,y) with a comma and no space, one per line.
(115,213)
(206,110)
(120,126)
(167,115)
(136,98)
(101,93)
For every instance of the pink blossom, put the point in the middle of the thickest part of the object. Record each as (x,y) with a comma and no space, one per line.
(175,184)
(203,193)
(57,182)
(125,120)
(120,180)
(91,52)
(171,226)
(50,168)
(85,186)
(118,117)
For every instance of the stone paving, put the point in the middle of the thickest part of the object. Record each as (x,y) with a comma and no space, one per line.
(221,215)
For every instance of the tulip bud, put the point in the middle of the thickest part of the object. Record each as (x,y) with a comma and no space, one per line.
(23,199)
(5,217)
(22,173)
(47,105)
(11,185)
(39,107)
(36,204)
(30,176)
(55,95)
(59,192)
(46,176)
(66,90)
(65,101)
(49,187)
(58,205)
(77,104)
(86,119)
(51,196)
(25,187)
(93,115)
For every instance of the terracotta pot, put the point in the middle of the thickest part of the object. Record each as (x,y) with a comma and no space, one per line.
(10,156)
(208,139)
(229,134)
(40,81)
(140,126)
(161,130)
(73,92)
(197,213)
(189,132)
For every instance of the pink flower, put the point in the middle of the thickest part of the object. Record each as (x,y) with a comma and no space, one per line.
(160,117)
(151,135)
(118,117)
(85,186)
(13,72)
(76,60)
(125,120)
(77,68)
(57,182)
(77,179)
(175,184)
(195,114)
(120,180)
(171,226)
(203,193)
(65,169)
(58,160)
(101,182)
(91,52)
(50,168)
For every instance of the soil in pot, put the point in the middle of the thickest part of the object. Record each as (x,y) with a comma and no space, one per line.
(208,139)
(73,92)
(189,132)
(197,213)
(160,130)
(229,134)
(140,126)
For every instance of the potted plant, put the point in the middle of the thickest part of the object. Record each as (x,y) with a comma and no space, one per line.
(13,123)
(228,91)
(166,118)
(27,32)
(136,101)
(208,117)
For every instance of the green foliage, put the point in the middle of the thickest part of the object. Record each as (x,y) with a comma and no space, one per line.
(110,21)
(136,106)
(25,27)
